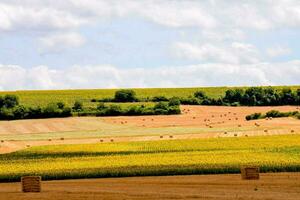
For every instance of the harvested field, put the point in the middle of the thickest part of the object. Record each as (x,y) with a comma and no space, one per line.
(215,187)
(195,122)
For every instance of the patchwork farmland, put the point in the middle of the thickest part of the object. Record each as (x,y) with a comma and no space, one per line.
(201,140)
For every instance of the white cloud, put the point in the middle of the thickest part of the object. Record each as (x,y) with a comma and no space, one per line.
(107,76)
(59,41)
(278,51)
(41,14)
(29,16)
(234,53)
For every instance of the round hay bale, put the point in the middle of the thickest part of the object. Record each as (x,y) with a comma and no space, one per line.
(62,138)
(194,117)
(246,135)
(225,133)
(27,145)
(239,125)
(144,119)
(161,136)
(2,141)
(171,136)
(292,131)
(111,140)
(210,126)
(49,139)
(152,119)
(236,118)
(229,119)
(101,140)
(265,130)
(235,135)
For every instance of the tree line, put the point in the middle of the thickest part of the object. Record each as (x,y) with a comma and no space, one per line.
(252,96)
(11,109)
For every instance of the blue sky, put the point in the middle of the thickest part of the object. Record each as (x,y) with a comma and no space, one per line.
(111,44)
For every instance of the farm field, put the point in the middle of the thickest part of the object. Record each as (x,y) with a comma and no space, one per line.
(144,158)
(195,122)
(275,186)
(44,97)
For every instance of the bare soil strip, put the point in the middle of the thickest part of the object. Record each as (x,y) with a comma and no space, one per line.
(276,186)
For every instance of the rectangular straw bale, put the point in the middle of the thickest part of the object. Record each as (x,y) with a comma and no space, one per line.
(250,172)
(31,183)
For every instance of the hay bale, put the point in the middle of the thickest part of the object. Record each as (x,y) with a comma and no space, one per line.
(171,136)
(161,136)
(210,126)
(292,131)
(250,172)
(112,140)
(239,125)
(101,140)
(194,117)
(225,133)
(62,138)
(2,141)
(265,130)
(235,135)
(31,183)
(27,145)
(152,119)
(49,139)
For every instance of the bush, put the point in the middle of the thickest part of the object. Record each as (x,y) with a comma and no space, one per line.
(159,98)
(78,106)
(190,101)
(113,110)
(20,112)
(254,116)
(9,101)
(200,95)
(174,101)
(125,96)
(274,113)
(60,105)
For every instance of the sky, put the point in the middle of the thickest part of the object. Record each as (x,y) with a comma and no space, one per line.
(69,44)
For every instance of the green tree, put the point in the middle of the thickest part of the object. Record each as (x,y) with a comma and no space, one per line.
(125,96)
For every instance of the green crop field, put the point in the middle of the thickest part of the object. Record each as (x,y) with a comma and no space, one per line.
(196,156)
(43,97)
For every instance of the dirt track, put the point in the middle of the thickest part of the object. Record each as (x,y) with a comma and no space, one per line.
(279,186)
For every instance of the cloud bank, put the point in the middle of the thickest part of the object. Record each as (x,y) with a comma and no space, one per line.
(107,76)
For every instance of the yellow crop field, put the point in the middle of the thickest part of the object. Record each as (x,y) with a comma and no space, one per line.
(169,157)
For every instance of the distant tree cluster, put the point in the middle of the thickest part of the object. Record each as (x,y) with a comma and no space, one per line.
(273,114)
(252,96)
(160,108)
(10,109)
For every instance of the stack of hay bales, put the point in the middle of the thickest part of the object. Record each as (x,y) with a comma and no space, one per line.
(250,172)
(31,183)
